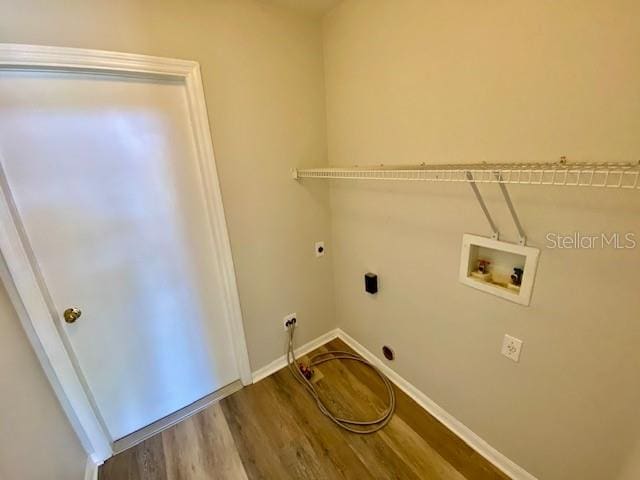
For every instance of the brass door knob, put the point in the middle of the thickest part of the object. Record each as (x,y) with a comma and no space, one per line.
(71,314)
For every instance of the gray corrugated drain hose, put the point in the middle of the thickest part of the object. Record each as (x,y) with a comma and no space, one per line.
(355,426)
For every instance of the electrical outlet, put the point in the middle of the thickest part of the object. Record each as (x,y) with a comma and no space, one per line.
(319,249)
(511,347)
(289,320)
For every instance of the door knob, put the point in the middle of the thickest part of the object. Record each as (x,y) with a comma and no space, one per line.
(71,314)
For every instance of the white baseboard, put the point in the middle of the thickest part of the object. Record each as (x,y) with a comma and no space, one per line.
(510,468)
(281,362)
(501,462)
(91,470)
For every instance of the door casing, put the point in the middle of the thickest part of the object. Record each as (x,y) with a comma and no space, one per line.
(19,269)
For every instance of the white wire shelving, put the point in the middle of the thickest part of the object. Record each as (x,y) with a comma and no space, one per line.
(604,175)
(561,173)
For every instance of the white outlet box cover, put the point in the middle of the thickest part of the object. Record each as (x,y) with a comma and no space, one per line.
(506,256)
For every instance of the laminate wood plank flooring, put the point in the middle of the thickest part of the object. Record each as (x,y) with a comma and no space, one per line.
(273,430)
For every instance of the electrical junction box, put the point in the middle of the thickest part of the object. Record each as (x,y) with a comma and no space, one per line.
(371,283)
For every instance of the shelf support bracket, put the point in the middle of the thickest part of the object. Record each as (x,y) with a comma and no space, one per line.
(507,198)
(495,234)
(522,240)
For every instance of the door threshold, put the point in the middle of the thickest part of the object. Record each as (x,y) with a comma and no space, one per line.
(170,420)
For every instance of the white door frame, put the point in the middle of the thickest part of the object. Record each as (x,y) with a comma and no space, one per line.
(21,276)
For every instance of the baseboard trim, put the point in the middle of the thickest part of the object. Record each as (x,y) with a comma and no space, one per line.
(281,362)
(513,470)
(91,469)
(500,461)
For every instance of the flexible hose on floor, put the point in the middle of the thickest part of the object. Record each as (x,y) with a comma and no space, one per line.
(355,426)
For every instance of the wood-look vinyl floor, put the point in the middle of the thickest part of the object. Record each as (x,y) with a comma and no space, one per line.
(273,430)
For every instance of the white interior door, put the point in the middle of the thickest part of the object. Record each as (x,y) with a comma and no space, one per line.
(104,177)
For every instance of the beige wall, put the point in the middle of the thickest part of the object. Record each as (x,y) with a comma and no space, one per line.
(414,81)
(36,440)
(263,77)
(631,468)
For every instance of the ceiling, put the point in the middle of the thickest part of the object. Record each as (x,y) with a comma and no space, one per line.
(315,7)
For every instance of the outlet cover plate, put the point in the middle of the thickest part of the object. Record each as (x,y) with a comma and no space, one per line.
(511,348)
(320,249)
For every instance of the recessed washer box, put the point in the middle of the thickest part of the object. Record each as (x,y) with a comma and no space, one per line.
(502,258)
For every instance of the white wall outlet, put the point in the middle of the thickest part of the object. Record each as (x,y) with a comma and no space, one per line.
(511,347)
(319,249)
(288,320)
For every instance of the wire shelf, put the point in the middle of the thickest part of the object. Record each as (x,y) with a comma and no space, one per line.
(605,175)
